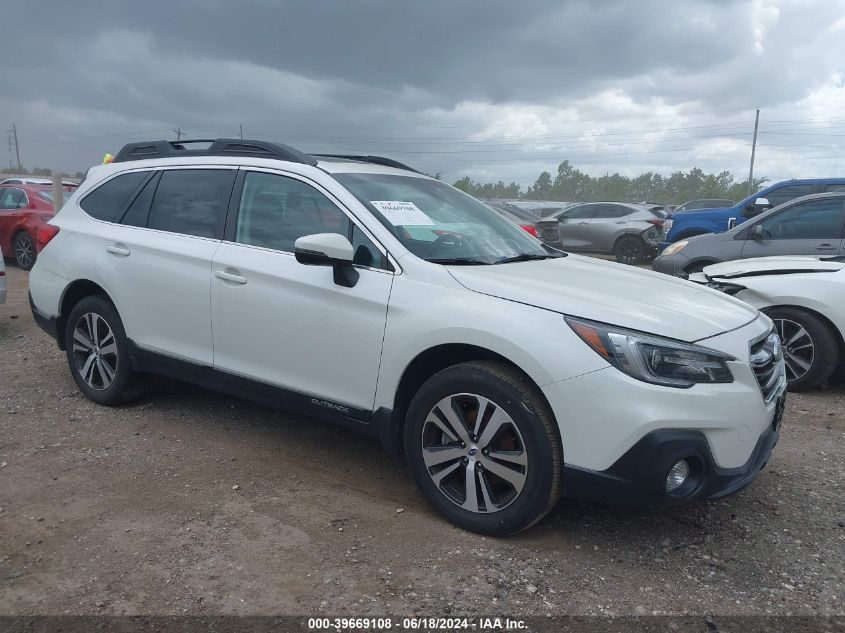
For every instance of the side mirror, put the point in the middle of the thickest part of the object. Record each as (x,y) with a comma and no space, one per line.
(756,232)
(760,205)
(328,249)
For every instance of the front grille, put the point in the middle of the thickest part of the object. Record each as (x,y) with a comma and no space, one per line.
(768,366)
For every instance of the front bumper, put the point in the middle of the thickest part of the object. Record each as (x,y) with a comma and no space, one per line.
(670,264)
(638,478)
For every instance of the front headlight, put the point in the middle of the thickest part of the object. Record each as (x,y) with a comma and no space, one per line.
(675,247)
(654,359)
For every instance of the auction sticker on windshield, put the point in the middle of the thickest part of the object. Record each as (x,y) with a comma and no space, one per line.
(400,213)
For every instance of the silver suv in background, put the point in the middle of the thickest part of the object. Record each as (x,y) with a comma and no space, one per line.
(628,231)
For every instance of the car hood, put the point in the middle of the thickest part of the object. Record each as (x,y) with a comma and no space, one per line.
(612,293)
(772,266)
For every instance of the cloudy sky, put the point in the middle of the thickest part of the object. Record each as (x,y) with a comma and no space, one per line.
(495,89)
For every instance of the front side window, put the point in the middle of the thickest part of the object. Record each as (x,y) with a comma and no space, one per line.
(106,201)
(440,224)
(276,211)
(814,219)
(191,201)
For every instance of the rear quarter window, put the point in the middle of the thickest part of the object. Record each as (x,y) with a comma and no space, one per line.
(107,200)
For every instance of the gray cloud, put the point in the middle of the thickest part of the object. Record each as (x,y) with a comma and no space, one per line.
(490,89)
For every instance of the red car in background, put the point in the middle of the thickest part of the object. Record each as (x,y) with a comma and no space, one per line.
(25,210)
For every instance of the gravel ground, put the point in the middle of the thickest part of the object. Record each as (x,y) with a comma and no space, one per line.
(192,502)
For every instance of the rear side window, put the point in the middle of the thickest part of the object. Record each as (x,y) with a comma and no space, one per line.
(191,201)
(790,192)
(106,201)
(139,209)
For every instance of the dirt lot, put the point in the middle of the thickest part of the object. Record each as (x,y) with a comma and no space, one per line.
(192,502)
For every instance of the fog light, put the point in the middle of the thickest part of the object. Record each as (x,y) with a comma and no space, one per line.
(677,476)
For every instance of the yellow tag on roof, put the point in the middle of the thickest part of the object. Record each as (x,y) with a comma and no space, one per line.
(107,159)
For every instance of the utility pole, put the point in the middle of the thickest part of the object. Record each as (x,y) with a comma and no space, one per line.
(179,132)
(753,151)
(13,139)
(242,131)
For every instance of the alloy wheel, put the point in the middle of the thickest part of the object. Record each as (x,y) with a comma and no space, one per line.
(95,351)
(24,251)
(474,453)
(799,351)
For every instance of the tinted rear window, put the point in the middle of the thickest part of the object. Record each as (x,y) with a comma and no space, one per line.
(108,199)
(191,201)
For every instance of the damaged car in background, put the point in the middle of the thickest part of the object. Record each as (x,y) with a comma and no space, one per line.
(804,296)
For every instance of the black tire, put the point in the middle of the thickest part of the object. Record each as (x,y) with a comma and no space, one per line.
(125,385)
(23,248)
(822,358)
(515,394)
(630,249)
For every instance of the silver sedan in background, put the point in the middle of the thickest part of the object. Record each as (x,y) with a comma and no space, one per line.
(626,230)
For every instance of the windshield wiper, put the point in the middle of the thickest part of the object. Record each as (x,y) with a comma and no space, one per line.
(525,257)
(459,261)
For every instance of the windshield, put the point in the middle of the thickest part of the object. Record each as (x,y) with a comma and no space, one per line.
(441,224)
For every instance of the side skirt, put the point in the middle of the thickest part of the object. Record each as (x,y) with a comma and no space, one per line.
(361,420)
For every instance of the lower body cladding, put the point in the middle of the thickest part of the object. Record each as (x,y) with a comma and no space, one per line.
(627,442)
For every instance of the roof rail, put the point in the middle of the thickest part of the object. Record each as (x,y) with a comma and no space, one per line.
(375,160)
(217,147)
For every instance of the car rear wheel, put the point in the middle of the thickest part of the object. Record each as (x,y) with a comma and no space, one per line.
(630,250)
(483,448)
(97,352)
(810,349)
(24,249)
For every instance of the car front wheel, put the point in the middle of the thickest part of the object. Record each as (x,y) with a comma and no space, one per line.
(810,349)
(483,448)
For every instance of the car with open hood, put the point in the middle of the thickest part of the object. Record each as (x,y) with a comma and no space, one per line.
(804,296)
(358,290)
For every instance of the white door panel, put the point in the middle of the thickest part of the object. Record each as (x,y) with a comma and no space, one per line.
(159,282)
(288,324)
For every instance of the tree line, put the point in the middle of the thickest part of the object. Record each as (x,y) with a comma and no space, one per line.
(42,172)
(570,184)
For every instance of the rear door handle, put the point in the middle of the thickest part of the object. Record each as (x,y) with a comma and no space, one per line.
(114,249)
(826,247)
(235,279)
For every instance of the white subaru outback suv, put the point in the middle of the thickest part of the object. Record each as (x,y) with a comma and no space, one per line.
(359,290)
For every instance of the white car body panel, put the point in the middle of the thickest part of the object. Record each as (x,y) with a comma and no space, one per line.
(291,325)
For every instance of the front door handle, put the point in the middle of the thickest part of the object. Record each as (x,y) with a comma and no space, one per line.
(235,279)
(122,251)
(825,247)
